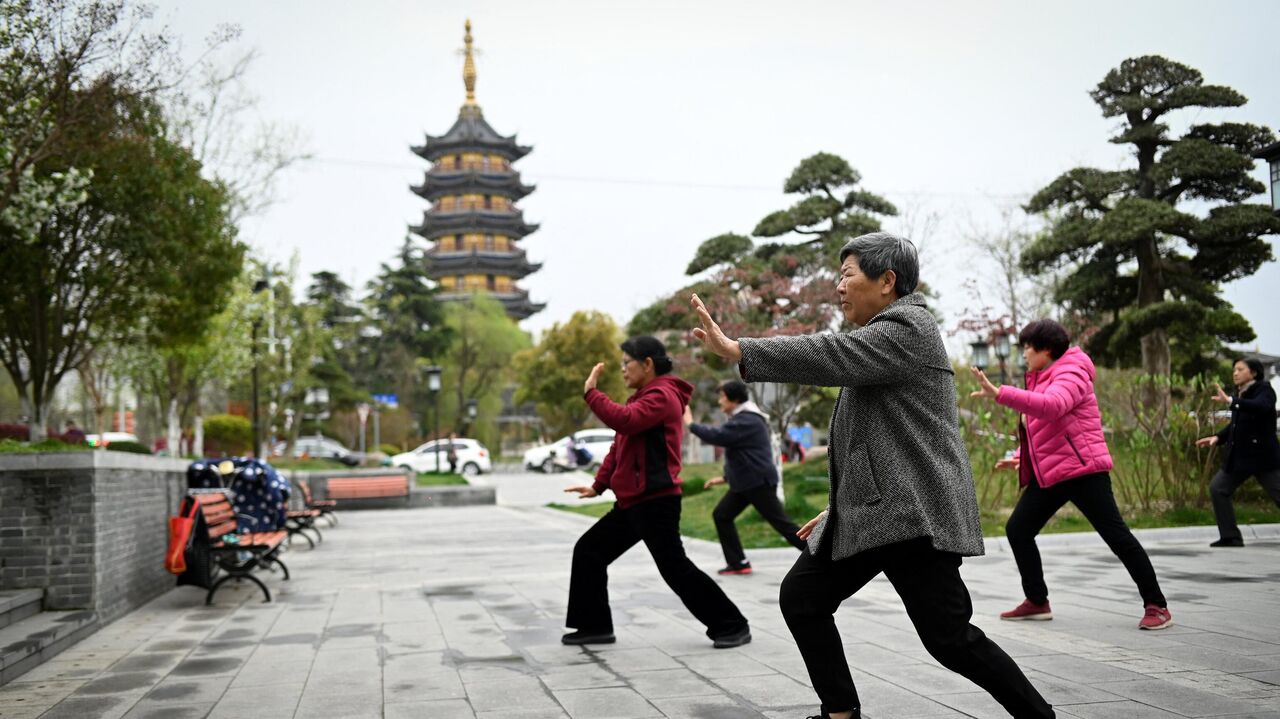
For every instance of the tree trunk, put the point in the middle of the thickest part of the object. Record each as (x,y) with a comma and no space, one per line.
(37,418)
(173,437)
(197,441)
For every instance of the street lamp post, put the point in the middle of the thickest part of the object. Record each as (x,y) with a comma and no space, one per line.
(1271,153)
(979,349)
(473,408)
(433,384)
(259,286)
(1002,355)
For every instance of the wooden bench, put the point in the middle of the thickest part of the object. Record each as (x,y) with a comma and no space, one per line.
(323,506)
(237,559)
(299,521)
(369,487)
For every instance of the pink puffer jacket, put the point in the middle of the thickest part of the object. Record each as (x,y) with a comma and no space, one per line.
(1064,425)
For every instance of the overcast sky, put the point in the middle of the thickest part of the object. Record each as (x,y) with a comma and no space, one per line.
(658,124)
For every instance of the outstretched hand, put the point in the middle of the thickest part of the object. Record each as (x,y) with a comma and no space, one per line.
(688,416)
(1209,441)
(989,391)
(713,338)
(582,490)
(593,378)
(1221,396)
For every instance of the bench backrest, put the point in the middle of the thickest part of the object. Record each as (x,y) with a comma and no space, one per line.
(368,487)
(219,515)
(305,488)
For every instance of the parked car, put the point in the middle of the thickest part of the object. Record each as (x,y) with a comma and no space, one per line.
(556,457)
(106,438)
(319,447)
(473,457)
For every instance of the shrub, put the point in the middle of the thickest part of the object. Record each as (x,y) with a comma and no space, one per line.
(12,430)
(389,449)
(132,447)
(227,435)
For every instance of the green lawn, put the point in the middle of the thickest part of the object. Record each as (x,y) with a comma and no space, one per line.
(309,464)
(434,479)
(807,488)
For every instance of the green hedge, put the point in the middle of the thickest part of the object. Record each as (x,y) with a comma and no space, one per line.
(227,435)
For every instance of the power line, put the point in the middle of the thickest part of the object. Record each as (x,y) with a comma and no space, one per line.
(540,177)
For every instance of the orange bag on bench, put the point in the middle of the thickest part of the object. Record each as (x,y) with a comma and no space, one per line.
(175,560)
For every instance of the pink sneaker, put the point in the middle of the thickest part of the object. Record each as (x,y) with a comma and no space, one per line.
(1156,618)
(1028,610)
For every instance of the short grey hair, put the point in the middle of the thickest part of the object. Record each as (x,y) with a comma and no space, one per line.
(879,252)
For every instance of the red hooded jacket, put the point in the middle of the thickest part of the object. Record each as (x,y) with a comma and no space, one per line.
(644,461)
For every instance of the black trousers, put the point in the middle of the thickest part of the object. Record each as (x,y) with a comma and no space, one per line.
(657,524)
(1092,496)
(765,500)
(1225,484)
(937,602)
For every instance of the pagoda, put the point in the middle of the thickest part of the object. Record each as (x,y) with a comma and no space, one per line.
(473,225)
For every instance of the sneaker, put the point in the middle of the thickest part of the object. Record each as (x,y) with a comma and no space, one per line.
(1028,610)
(582,637)
(744,569)
(1156,618)
(1224,542)
(736,639)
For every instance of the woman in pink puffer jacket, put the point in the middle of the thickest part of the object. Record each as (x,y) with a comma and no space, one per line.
(1062,457)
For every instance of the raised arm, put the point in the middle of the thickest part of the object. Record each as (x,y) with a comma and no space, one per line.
(729,434)
(647,411)
(1064,393)
(883,352)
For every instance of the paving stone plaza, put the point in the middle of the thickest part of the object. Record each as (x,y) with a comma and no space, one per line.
(457,612)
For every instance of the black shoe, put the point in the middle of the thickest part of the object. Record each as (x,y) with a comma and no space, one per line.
(736,639)
(581,637)
(857,714)
(1224,542)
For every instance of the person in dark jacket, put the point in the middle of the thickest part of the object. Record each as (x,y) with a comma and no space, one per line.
(642,469)
(1250,446)
(748,469)
(902,499)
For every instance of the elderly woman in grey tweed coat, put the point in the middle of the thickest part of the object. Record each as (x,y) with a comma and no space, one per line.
(902,499)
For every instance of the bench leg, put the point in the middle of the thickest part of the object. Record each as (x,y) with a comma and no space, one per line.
(297,531)
(332,517)
(319,537)
(282,567)
(208,599)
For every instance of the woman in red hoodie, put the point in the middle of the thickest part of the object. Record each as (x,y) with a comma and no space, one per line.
(643,471)
(1062,457)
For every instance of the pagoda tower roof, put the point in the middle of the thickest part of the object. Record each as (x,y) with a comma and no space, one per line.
(436,223)
(451,182)
(471,133)
(479,262)
(516,302)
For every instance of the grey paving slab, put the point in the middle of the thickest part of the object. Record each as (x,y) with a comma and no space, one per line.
(439,613)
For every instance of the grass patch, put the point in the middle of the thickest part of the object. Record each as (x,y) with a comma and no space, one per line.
(13,446)
(435,479)
(311,463)
(807,489)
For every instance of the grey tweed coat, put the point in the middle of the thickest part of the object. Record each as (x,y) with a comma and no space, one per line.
(899,469)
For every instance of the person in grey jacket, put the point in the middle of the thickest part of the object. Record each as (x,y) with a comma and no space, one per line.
(748,469)
(902,498)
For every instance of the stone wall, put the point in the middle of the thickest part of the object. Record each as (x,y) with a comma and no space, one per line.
(89,528)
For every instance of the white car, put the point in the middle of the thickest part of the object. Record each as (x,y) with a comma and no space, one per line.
(556,457)
(473,458)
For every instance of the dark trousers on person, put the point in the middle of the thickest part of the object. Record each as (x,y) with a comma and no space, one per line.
(1225,484)
(1092,495)
(657,524)
(765,499)
(937,602)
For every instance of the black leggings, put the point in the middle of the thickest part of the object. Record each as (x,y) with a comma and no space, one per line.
(1092,496)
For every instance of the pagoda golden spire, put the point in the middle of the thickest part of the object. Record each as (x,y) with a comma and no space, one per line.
(469,69)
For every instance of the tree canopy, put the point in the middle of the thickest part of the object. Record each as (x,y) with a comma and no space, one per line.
(1144,264)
